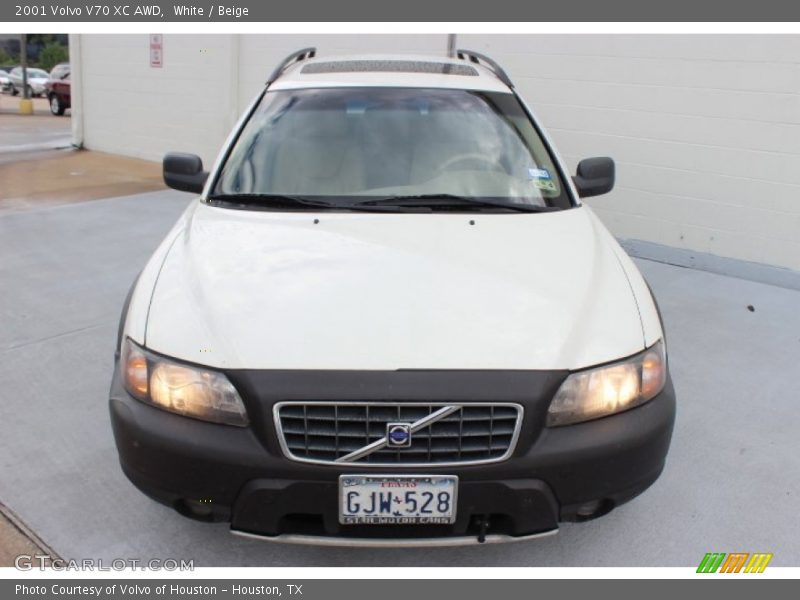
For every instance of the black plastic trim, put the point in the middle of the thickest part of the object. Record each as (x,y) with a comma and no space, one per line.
(294,57)
(478,58)
(172,458)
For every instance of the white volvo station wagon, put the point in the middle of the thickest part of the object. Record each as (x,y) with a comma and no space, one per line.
(387,318)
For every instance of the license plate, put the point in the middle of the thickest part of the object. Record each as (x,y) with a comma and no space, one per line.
(397,499)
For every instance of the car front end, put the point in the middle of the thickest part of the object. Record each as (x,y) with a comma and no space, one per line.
(452,350)
(278,478)
(265,417)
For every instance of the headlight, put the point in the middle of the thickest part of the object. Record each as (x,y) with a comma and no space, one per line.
(610,389)
(182,389)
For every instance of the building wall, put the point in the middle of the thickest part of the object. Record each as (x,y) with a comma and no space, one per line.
(191,103)
(704,129)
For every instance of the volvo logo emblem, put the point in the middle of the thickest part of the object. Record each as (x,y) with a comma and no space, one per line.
(398,435)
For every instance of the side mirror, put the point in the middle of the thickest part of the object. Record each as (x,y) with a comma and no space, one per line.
(595,176)
(184,172)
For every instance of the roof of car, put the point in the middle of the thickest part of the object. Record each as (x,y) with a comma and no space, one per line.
(381,70)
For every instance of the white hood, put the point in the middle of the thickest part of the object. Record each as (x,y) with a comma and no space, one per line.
(269,290)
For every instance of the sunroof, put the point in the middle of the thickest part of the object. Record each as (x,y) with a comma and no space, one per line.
(393,66)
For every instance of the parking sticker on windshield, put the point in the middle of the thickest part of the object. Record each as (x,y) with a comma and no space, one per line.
(547,185)
(538,174)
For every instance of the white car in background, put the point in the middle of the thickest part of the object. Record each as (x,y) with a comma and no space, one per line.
(37,80)
(4,80)
(387,318)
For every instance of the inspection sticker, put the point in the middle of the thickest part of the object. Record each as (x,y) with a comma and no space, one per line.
(547,185)
(538,173)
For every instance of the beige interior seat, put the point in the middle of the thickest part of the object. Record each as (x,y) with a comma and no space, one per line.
(440,138)
(319,155)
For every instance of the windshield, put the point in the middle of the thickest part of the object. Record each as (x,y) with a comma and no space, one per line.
(35,74)
(348,145)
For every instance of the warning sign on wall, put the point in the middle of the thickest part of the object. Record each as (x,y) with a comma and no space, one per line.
(156,50)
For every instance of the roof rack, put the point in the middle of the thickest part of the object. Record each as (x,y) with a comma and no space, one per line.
(478,58)
(294,57)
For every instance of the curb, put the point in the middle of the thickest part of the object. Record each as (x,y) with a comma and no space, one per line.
(57,145)
(28,533)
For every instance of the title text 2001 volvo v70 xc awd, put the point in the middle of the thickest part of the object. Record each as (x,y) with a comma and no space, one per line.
(388,319)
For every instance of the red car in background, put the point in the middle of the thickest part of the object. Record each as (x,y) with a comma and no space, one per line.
(58,89)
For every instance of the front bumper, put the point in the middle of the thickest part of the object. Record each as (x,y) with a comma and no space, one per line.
(222,473)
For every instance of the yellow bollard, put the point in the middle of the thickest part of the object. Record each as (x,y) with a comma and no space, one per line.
(26,106)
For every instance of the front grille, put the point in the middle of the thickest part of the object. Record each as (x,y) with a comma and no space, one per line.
(322,432)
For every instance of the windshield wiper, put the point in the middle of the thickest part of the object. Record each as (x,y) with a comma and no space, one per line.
(293,202)
(270,200)
(450,202)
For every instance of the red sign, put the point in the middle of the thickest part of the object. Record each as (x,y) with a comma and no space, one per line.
(156,50)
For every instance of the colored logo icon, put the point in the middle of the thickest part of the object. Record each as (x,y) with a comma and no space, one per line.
(736,562)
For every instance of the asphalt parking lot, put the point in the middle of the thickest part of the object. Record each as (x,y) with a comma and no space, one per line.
(732,482)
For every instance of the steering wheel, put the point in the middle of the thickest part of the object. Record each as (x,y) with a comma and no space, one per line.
(448,164)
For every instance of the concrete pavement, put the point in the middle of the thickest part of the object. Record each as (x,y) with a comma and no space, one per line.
(39,167)
(39,131)
(16,539)
(51,178)
(732,480)
(34,179)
